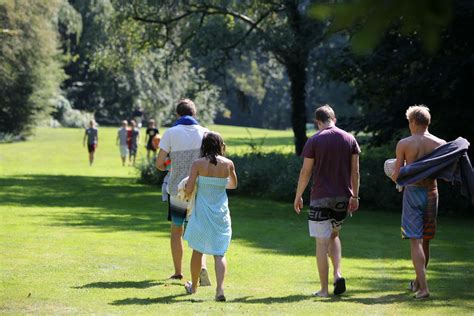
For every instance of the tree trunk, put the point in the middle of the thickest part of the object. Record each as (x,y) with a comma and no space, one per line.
(297,74)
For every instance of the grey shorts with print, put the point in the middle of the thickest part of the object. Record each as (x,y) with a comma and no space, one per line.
(326,216)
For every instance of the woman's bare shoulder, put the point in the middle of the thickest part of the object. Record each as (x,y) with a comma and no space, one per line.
(225,160)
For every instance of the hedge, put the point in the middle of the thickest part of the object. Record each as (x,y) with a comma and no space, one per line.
(275,175)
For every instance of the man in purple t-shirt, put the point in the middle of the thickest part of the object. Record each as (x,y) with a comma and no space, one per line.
(332,157)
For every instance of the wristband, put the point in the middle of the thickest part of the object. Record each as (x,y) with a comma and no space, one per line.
(355,197)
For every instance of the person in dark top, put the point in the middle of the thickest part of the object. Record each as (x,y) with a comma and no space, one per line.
(134,133)
(138,116)
(332,157)
(92,136)
(151,132)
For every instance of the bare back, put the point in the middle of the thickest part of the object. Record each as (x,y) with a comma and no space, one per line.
(203,167)
(207,169)
(417,146)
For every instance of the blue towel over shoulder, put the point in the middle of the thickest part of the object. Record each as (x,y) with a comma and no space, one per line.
(448,162)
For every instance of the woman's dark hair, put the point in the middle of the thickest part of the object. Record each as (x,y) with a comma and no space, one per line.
(212,146)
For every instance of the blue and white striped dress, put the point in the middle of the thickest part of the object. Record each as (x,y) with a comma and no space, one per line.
(209,228)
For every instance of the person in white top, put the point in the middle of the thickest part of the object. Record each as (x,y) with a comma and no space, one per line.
(182,143)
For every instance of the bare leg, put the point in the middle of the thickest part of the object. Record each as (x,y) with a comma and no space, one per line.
(322,247)
(91,158)
(196,259)
(426,251)
(204,262)
(335,252)
(221,270)
(177,248)
(419,262)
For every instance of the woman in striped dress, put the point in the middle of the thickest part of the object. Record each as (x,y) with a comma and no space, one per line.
(209,228)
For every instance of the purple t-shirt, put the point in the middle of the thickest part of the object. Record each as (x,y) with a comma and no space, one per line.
(332,150)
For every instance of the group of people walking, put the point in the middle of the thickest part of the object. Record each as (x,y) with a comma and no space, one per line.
(128,140)
(331,158)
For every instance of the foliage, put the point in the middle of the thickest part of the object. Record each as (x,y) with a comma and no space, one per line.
(30,67)
(148,174)
(111,77)
(218,31)
(398,74)
(66,116)
(371,18)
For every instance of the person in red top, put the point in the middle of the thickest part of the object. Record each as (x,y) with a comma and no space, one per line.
(332,157)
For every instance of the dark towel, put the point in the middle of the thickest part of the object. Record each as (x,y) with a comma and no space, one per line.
(448,162)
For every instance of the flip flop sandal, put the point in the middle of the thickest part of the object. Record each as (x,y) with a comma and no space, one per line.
(176,277)
(204,278)
(339,286)
(188,286)
(220,298)
(317,294)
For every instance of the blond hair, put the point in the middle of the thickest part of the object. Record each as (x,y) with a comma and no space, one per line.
(419,114)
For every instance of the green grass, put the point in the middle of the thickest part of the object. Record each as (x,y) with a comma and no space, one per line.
(75,239)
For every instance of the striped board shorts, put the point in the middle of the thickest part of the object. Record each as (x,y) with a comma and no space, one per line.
(420,208)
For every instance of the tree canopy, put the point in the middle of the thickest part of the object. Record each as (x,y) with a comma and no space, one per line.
(221,29)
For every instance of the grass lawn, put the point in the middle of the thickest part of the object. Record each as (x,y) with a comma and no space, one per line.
(80,239)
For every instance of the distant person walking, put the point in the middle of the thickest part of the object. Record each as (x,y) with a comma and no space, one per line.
(122,137)
(138,116)
(151,133)
(182,143)
(209,228)
(134,134)
(420,199)
(332,157)
(92,137)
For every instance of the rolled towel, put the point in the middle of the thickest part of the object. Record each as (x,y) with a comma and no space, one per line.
(389,167)
(182,196)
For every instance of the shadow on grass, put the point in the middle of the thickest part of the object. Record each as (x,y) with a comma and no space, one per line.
(120,204)
(115,204)
(271,300)
(106,203)
(157,300)
(120,285)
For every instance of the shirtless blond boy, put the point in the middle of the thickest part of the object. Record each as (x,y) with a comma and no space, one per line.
(420,200)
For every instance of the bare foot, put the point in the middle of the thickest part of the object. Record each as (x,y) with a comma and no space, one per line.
(420,295)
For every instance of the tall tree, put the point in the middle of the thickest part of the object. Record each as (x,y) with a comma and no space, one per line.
(399,73)
(217,29)
(30,66)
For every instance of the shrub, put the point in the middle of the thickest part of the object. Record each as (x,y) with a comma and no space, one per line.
(148,173)
(69,117)
(271,175)
(275,175)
